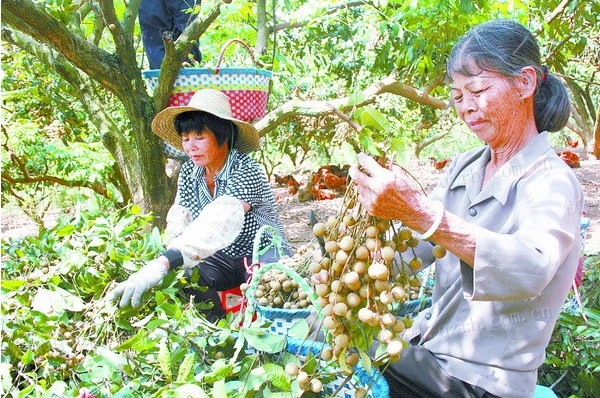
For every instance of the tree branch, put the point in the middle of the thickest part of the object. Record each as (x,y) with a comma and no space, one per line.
(130,16)
(300,23)
(176,50)
(28,179)
(323,108)
(25,16)
(123,43)
(112,137)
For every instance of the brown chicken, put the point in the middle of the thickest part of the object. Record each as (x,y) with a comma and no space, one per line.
(572,143)
(289,181)
(570,158)
(439,164)
(326,183)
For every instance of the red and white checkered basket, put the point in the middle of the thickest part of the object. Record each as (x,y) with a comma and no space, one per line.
(247,88)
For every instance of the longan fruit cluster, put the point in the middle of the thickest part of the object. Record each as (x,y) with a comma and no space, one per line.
(362,279)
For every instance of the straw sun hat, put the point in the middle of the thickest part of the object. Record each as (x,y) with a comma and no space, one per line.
(214,102)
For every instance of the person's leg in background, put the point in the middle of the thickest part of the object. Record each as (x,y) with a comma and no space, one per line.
(159,16)
(153,21)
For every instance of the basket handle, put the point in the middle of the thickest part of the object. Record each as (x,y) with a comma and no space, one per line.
(227,44)
(276,242)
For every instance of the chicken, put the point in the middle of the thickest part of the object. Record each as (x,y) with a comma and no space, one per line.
(334,182)
(289,181)
(323,193)
(572,143)
(439,164)
(570,158)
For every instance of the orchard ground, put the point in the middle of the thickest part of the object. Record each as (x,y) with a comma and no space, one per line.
(294,214)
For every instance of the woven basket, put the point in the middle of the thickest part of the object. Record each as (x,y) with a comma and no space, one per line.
(247,88)
(372,381)
(282,319)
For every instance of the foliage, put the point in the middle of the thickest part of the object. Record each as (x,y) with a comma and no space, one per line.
(572,365)
(59,336)
(322,52)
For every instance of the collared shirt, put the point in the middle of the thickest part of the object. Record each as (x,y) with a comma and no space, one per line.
(242,178)
(489,325)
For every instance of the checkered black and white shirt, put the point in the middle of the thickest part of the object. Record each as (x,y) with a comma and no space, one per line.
(242,178)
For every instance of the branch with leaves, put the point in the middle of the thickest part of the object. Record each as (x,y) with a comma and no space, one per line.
(314,108)
(27,178)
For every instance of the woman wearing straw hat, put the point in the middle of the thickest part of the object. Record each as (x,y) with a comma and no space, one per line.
(223,198)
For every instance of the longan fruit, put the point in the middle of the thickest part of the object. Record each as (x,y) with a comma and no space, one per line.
(415,263)
(394,348)
(438,251)
(361,253)
(387,253)
(346,243)
(404,233)
(291,369)
(371,231)
(319,229)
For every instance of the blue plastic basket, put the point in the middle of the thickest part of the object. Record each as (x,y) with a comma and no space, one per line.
(282,319)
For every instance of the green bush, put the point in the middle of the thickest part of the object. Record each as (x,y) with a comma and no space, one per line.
(60,337)
(572,366)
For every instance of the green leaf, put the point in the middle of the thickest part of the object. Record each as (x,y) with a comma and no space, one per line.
(299,330)
(155,323)
(132,341)
(261,340)
(164,360)
(276,374)
(398,150)
(190,391)
(221,370)
(65,231)
(373,118)
(356,98)
(27,357)
(365,361)
(56,301)
(12,284)
(186,368)
(368,143)
(350,155)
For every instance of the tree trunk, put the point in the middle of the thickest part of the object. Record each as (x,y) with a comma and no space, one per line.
(139,156)
(597,136)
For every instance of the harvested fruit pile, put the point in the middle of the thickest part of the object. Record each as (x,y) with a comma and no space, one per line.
(276,290)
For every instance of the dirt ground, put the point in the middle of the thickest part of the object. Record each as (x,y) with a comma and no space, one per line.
(294,214)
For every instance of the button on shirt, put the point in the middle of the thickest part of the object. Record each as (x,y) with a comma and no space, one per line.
(489,325)
(241,178)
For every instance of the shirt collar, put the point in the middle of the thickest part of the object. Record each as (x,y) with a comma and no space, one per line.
(500,185)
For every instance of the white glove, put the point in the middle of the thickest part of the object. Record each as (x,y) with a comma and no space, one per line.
(132,289)
(215,228)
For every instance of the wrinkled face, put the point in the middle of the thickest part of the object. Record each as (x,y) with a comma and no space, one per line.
(203,149)
(489,104)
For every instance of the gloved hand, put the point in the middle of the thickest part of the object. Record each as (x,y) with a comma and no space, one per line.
(132,289)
